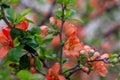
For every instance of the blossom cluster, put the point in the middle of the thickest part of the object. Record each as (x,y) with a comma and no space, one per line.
(73,49)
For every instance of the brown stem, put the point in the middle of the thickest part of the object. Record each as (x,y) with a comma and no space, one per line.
(73,68)
(60,34)
(106,60)
(44,64)
(71,73)
(34,54)
(4,17)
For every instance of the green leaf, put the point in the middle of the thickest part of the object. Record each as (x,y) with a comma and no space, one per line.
(38,64)
(10,18)
(14,1)
(22,15)
(0,1)
(78,20)
(5,5)
(35,30)
(49,51)
(69,1)
(59,1)
(59,13)
(31,42)
(24,62)
(30,21)
(102,78)
(51,56)
(68,13)
(38,39)
(96,41)
(16,42)
(11,14)
(25,12)
(24,74)
(14,54)
(16,33)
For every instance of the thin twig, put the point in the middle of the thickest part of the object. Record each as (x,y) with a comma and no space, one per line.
(41,73)
(73,68)
(44,64)
(106,60)
(71,73)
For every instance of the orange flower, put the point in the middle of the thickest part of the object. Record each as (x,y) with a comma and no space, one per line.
(70,29)
(72,46)
(100,66)
(6,41)
(50,1)
(53,73)
(56,40)
(22,25)
(44,30)
(4,45)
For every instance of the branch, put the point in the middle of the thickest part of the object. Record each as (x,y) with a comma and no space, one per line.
(73,68)
(60,34)
(106,60)
(34,54)
(71,73)
(4,17)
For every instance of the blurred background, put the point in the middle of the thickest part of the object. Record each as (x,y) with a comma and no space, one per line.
(100,27)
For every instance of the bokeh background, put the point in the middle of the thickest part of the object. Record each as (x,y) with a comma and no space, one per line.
(100,28)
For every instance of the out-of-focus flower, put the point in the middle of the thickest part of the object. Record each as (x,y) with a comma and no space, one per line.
(81,32)
(100,6)
(72,46)
(106,46)
(53,73)
(44,30)
(50,1)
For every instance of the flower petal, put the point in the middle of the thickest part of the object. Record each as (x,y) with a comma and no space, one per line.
(3,51)
(61,77)
(56,67)
(3,39)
